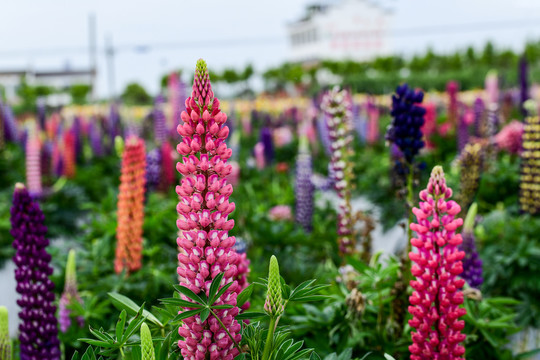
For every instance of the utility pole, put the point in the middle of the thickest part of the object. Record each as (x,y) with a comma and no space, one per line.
(92,48)
(109,54)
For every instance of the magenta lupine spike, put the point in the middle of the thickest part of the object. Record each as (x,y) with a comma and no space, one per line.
(33,166)
(206,249)
(435,301)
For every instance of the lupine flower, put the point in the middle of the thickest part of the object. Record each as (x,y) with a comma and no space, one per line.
(337,108)
(131,207)
(175,98)
(160,122)
(234,176)
(463,130)
(95,137)
(46,158)
(5,340)
(452,89)
(70,295)
(523,83)
(10,125)
(359,122)
(510,137)
(492,123)
(147,346)
(23,138)
(283,136)
(529,187)
(33,166)
(407,120)
(167,166)
(113,123)
(2,140)
(242,268)
(470,165)
(304,187)
(478,117)
(472,264)
(436,296)
(153,168)
(492,87)
(372,134)
(69,154)
(280,213)
(76,130)
(266,140)
(206,248)
(57,160)
(260,159)
(274,302)
(41,113)
(322,129)
(38,332)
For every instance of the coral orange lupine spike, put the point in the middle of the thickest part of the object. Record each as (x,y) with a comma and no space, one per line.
(206,249)
(131,207)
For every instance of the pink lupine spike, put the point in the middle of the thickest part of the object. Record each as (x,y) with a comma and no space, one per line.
(206,250)
(437,296)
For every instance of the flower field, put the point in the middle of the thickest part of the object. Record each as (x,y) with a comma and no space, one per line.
(339,226)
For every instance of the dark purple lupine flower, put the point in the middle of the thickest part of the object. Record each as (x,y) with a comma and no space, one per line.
(10,125)
(523,83)
(472,264)
(153,168)
(23,138)
(478,116)
(76,129)
(113,126)
(95,137)
(160,122)
(462,132)
(304,187)
(38,331)
(359,122)
(267,141)
(46,158)
(322,129)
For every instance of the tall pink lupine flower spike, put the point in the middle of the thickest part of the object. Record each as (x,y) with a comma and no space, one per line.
(206,250)
(33,165)
(436,297)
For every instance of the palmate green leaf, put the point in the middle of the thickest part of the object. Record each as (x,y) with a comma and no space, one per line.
(250,315)
(122,302)
(185,314)
(101,335)
(120,324)
(221,291)
(244,296)
(214,286)
(134,325)
(201,299)
(180,302)
(98,343)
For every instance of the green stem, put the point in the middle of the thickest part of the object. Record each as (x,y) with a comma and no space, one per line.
(224,328)
(269,339)
(121,352)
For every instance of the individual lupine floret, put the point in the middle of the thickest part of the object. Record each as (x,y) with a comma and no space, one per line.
(131,207)
(70,295)
(472,264)
(147,347)
(337,108)
(5,340)
(436,293)
(206,249)
(33,166)
(470,165)
(38,330)
(304,187)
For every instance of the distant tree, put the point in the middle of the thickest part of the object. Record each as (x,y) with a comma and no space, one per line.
(488,55)
(230,76)
(79,93)
(135,94)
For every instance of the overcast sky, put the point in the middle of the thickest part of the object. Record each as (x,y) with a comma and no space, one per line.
(46,26)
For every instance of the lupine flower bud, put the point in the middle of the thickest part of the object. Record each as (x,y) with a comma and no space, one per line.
(337,108)
(274,300)
(5,340)
(70,294)
(472,264)
(33,166)
(131,207)
(529,187)
(38,332)
(304,187)
(470,165)
(147,346)
(436,297)
(206,249)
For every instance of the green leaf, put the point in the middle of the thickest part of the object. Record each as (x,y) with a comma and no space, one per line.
(191,295)
(244,296)
(124,303)
(99,343)
(185,314)
(134,325)
(204,314)
(180,302)
(214,287)
(75,355)
(120,325)
(221,291)
(250,315)
(224,306)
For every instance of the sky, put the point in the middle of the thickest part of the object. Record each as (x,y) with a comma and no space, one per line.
(231,33)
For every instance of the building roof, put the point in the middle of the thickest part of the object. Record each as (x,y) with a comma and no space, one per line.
(53,73)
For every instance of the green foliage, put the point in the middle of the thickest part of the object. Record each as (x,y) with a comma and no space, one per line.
(79,93)
(135,94)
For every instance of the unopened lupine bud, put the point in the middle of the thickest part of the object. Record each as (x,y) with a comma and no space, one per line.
(274,299)
(147,347)
(436,298)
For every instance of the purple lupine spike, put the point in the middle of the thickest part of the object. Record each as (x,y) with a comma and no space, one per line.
(160,122)
(472,264)
(41,113)
(38,331)
(478,116)
(268,143)
(322,129)
(304,188)
(177,96)
(23,139)
(153,168)
(359,122)
(462,131)
(46,158)
(95,137)
(10,125)
(523,83)
(113,126)
(76,130)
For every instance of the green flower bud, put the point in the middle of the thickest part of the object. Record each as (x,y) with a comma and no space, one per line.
(5,340)
(119,145)
(469,220)
(274,301)
(147,347)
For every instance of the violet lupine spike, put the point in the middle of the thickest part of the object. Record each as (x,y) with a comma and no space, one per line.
(478,117)
(11,132)
(436,298)
(268,143)
(322,129)
(38,331)
(160,121)
(46,158)
(33,166)
(359,122)
(452,89)
(523,83)
(153,168)
(70,295)
(462,132)
(76,130)
(206,250)
(337,108)
(304,187)
(95,138)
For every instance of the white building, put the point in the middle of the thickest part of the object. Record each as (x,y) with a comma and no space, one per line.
(344,30)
